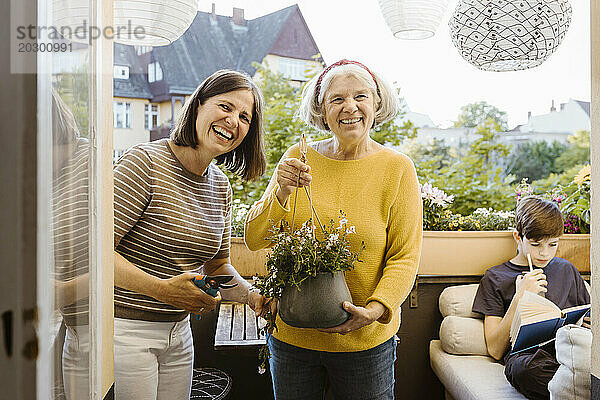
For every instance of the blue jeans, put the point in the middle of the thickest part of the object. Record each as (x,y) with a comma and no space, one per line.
(300,374)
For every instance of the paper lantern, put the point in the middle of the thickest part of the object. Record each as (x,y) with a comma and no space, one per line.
(413,19)
(509,35)
(135,22)
(163,21)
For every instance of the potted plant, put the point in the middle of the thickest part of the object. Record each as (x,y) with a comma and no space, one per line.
(484,237)
(305,273)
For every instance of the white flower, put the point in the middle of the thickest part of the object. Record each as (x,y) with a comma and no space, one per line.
(333,238)
(261,369)
(435,195)
(439,201)
(343,221)
(351,229)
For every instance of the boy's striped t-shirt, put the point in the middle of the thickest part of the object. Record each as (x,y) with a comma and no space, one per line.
(167,221)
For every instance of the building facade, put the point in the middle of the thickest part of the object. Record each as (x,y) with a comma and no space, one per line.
(557,125)
(152,83)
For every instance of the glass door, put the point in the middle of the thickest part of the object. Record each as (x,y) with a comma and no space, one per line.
(74,203)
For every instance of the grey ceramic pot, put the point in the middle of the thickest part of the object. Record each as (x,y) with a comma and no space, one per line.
(318,304)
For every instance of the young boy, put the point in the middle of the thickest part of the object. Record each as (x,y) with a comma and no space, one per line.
(539,225)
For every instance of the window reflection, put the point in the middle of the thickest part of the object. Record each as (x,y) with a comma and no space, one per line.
(70,233)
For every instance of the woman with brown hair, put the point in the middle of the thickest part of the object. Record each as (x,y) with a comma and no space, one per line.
(173,221)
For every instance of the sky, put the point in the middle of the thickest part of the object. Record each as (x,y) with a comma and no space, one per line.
(433,78)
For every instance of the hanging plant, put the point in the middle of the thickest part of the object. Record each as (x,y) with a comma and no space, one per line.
(305,271)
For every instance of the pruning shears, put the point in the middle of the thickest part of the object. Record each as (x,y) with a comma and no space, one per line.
(211,284)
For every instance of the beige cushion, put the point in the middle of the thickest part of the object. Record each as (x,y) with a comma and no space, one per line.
(471,377)
(458,300)
(573,352)
(460,335)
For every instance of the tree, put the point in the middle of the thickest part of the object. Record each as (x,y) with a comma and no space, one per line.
(565,178)
(535,160)
(431,158)
(474,114)
(73,89)
(578,153)
(475,179)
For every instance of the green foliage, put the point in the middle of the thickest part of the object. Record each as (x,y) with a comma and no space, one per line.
(471,173)
(555,180)
(238,217)
(474,177)
(431,158)
(302,254)
(482,219)
(73,88)
(474,114)
(572,198)
(535,160)
(299,255)
(434,203)
(438,217)
(578,152)
(392,133)
(576,205)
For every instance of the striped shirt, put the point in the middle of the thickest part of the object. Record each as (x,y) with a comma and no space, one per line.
(167,221)
(70,225)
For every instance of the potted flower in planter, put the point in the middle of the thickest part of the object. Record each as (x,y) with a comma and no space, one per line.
(305,273)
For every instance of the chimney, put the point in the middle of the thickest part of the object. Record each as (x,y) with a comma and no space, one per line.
(552,109)
(528,115)
(562,106)
(238,16)
(213,14)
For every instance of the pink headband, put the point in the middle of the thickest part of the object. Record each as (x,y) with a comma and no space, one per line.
(337,64)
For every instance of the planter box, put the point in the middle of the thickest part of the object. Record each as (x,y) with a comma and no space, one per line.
(444,253)
(472,252)
(247,263)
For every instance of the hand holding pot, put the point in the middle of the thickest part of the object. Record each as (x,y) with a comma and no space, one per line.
(359,317)
(261,304)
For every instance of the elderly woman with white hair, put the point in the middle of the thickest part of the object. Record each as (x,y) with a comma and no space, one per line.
(377,189)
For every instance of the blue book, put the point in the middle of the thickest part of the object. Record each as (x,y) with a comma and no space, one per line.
(537,319)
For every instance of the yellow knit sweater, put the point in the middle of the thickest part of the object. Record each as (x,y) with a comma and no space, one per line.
(380,196)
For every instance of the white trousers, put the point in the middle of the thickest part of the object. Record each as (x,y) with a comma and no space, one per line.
(76,363)
(153,360)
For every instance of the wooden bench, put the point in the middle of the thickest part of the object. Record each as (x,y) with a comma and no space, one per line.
(237,327)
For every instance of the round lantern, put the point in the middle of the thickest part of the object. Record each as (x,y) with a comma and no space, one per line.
(135,22)
(161,21)
(509,35)
(413,19)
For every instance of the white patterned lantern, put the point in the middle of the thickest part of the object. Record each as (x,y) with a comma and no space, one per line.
(135,22)
(413,19)
(509,35)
